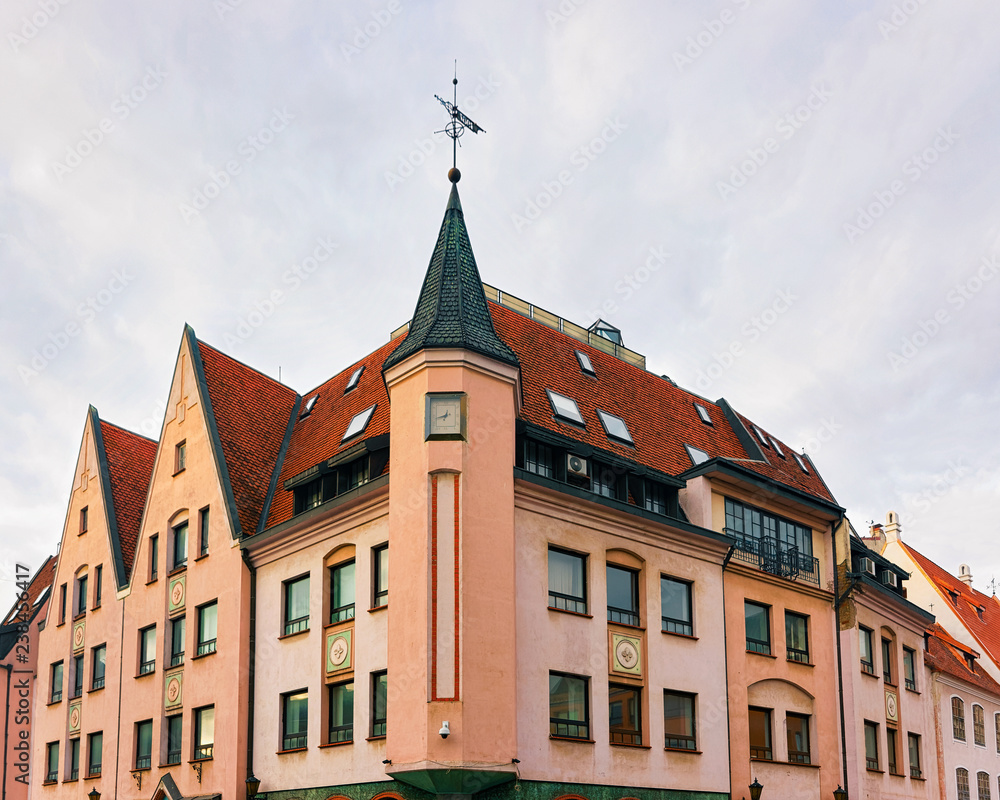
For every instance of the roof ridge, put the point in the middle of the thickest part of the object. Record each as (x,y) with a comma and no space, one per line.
(224,354)
(127,430)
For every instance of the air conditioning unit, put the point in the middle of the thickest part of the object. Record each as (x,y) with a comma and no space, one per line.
(868,565)
(889,578)
(577,465)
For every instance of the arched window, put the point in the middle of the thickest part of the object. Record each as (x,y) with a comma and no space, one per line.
(962,778)
(979,725)
(958,721)
(983,785)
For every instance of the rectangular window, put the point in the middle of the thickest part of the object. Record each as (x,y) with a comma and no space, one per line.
(62,604)
(203,532)
(675,606)
(798,738)
(51,762)
(758,621)
(958,718)
(95,754)
(83,519)
(342,592)
(144,744)
(996,725)
(74,759)
(962,780)
(380,570)
(567,581)
(296,605)
(891,756)
(569,712)
(77,687)
(98,584)
(147,650)
(180,545)
(81,596)
(380,688)
(357,473)
(204,732)
(538,458)
(909,669)
(678,721)
(294,720)
(871,745)
(979,725)
(867,655)
(655,497)
(913,744)
(624,710)
(983,785)
(887,670)
(623,595)
(180,457)
(154,556)
(175,731)
(797,637)
(57,682)
(341,713)
(769,536)
(178,627)
(760,734)
(98,659)
(208,618)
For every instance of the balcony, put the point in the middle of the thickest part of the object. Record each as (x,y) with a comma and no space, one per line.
(775,558)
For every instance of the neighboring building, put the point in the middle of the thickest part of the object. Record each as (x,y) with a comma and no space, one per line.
(19,660)
(967,705)
(888,701)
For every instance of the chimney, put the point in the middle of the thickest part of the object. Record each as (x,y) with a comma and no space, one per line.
(965,574)
(893,530)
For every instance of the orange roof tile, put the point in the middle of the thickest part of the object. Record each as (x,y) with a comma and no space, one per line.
(130,466)
(41,581)
(946,655)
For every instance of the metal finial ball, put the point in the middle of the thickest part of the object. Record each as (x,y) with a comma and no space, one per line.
(455,81)
(454,175)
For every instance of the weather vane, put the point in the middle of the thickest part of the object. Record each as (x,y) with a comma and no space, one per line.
(458,125)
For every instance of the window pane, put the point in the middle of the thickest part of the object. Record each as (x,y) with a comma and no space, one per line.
(341,713)
(568,706)
(798,738)
(379,708)
(208,622)
(206,726)
(623,595)
(381,555)
(758,628)
(979,725)
(760,733)
(914,747)
(180,544)
(624,709)
(958,718)
(95,753)
(675,602)
(296,720)
(865,643)
(297,605)
(174,734)
(678,720)
(100,665)
(796,637)
(871,745)
(342,588)
(567,584)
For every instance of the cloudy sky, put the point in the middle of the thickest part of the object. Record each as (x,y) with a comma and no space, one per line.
(790,205)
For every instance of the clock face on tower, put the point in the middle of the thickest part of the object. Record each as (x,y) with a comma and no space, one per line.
(445,417)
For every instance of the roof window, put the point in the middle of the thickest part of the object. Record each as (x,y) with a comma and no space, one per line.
(761,436)
(777,447)
(585,364)
(308,407)
(801,462)
(697,456)
(358,424)
(565,408)
(607,331)
(615,427)
(355,377)
(703,413)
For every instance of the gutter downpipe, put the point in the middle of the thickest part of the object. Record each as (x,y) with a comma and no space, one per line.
(837,603)
(253,658)
(6,726)
(725,657)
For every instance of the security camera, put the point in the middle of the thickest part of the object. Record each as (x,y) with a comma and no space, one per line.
(445,729)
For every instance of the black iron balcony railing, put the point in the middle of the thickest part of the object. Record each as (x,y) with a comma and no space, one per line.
(778,559)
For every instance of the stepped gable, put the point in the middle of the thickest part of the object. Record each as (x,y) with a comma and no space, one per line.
(250,413)
(661,417)
(946,655)
(964,601)
(129,458)
(317,437)
(41,581)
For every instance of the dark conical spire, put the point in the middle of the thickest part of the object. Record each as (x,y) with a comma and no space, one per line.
(452,310)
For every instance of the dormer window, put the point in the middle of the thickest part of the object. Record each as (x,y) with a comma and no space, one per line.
(353,382)
(358,424)
(606,331)
(585,365)
(697,456)
(703,413)
(970,661)
(308,407)
(565,408)
(615,427)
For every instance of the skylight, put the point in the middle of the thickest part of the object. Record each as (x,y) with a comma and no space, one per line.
(615,427)
(355,377)
(308,407)
(697,456)
(585,364)
(761,436)
(703,413)
(358,424)
(565,408)
(777,447)
(802,462)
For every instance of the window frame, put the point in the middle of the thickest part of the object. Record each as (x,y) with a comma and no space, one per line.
(84,519)
(892,751)
(62,604)
(379,723)
(913,748)
(798,756)
(51,762)
(56,688)
(958,718)
(767,747)
(299,624)
(82,582)
(179,545)
(677,625)
(910,668)
(98,586)
(174,755)
(180,457)
(798,655)
(380,593)
(345,611)
(581,726)
(618,614)
(539,458)
(206,646)
(176,655)
(147,650)
(562,601)
(760,646)
(566,414)
(297,739)
(202,750)
(866,634)
(873,762)
(77,680)
(983,780)
(686,742)
(343,733)
(73,756)
(962,776)
(143,760)
(154,557)
(888,667)
(95,659)
(91,738)
(204,520)
(628,735)
(978,725)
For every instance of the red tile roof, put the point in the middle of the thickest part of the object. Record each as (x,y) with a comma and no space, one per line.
(947,655)
(130,466)
(251,413)
(41,581)
(317,437)
(966,600)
